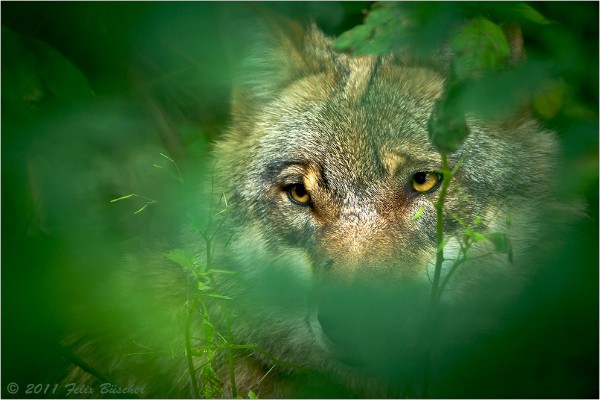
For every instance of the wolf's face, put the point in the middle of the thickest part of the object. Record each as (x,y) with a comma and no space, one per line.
(338,169)
(339,174)
(332,183)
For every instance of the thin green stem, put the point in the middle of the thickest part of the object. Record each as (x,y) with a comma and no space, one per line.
(188,352)
(461,259)
(435,288)
(230,355)
(439,206)
(75,359)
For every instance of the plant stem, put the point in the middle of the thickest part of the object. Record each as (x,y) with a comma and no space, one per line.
(75,359)
(459,261)
(439,206)
(230,355)
(435,288)
(188,353)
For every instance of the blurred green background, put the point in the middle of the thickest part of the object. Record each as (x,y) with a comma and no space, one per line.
(93,92)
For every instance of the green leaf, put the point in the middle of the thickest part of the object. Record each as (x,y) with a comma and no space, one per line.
(252,395)
(501,243)
(208,330)
(203,287)
(519,12)
(141,209)
(181,257)
(213,386)
(353,38)
(220,271)
(477,237)
(383,31)
(480,46)
(549,101)
(217,296)
(447,127)
(508,219)
(523,12)
(443,244)
(37,74)
(418,213)
(123,198)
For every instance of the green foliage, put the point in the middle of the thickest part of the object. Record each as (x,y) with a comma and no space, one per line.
(447,126)
(34,75)
(391,26)
(378,35)
(479,46)
(182,258)
(203,309)
(485,78)
(518,12)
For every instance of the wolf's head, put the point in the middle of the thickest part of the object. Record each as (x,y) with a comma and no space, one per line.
(332,183)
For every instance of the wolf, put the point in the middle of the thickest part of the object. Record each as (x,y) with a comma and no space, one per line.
(307,270)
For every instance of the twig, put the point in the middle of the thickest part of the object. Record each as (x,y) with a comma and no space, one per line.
(439,260)
(188,353)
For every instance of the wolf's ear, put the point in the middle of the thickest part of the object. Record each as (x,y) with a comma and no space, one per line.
(274,52)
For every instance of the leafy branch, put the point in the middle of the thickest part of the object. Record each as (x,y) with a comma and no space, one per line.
(206,303)
(202,307)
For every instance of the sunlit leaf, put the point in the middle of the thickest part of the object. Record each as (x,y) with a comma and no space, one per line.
(474,235)
(220,271)
(208,330)
(418,213)
(382,32)
(217,296)
(181,257)
(122,198)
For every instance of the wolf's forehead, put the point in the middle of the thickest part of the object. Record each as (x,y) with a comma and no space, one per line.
(358,136)
(352,149)
(367,115)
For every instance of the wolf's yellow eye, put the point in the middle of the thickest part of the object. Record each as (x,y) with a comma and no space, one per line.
(298,194)
(425,182)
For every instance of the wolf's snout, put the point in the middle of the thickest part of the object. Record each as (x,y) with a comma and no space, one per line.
(359,324)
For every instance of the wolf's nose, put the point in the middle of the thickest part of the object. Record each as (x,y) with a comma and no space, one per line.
(348,321)
(368,326)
